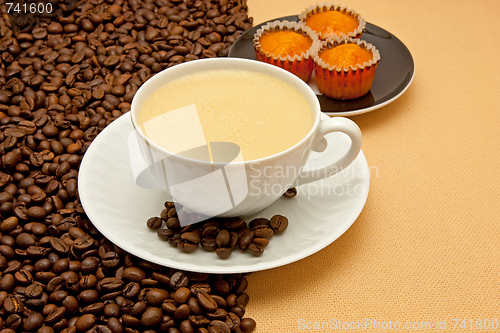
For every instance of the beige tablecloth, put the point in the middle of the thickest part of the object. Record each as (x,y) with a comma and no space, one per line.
(426,247)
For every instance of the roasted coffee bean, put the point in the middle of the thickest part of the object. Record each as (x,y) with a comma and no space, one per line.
(134,274)
(232,321)
(110,259)
(247,325)
(209,244)
(223,252)
(85,243)
(55,284)
(110,284)
(169,306)
(88,296)
(55,315)
(58,296)
(263,242)
(221,302)
(206,301)
(151,317)
(178,280)
(290,193)
(165,234)
(138,309)
(218,314)
(182,312)
(263,231)
(278,223)
(112,310)
(25,240)
(197,287)
(131,290)
(173,223)
(222,238)
(218,326)
(33,291)
(181,296)
(191,237)
(89,265)
(255,250)
(23,277)
(156,296)
(59,246)
(85,322)
(186,246)
(9,223)
(13,304)
(94,308)
(246,239)
(71,304)
(13,323)
(115,325)
(258,222)
(33,322)
(154,223)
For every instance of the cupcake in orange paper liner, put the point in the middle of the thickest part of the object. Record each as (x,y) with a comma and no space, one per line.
(345,67)
(329,20)
(289,45)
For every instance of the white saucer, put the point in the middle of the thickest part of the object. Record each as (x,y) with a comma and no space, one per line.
(318,215)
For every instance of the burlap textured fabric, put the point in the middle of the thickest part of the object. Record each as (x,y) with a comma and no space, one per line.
(425,251)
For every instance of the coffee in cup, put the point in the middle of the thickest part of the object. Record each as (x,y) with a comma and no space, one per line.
(259,113)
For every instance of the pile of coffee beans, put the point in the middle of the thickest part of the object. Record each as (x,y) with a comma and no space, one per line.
(219,235)
(65,76)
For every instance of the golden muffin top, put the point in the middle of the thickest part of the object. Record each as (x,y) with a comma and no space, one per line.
(284,43)
(346,55)
(332,21)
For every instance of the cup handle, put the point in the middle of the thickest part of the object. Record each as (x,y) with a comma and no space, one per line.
(335,124)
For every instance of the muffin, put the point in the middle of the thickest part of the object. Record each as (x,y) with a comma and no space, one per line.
(329,20)
(289,45)
(345,67)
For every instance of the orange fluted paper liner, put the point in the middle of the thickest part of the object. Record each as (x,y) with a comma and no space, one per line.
(329,20)
(296,61)
(345,83)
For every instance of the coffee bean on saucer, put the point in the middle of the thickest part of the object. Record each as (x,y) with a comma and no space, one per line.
(223,252)
(246,239)
(263,242)
(154,223)
(258,221)
(278,223)
(222,236)
(255,249)
(263,231)
(165,234)
(290,193)
(209,244)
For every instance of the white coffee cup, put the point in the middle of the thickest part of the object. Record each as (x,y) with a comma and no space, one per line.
(236,188)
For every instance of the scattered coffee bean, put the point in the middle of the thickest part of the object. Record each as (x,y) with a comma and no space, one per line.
(278,223)
(219,235)
(154,223)
(290,193)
